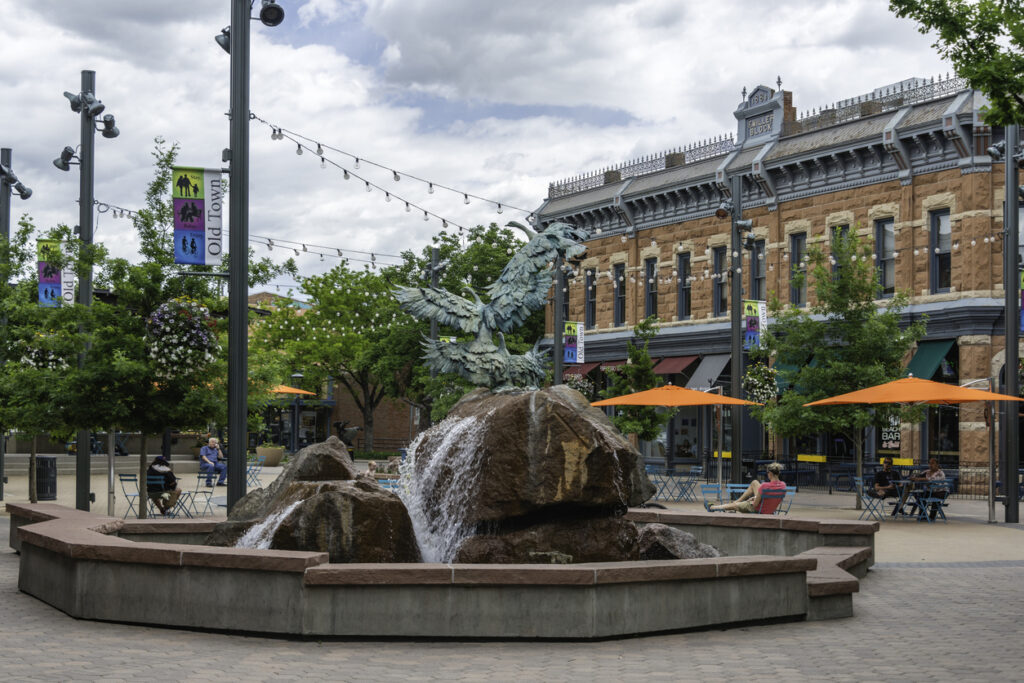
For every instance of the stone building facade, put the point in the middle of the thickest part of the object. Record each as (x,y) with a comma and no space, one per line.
(905,166)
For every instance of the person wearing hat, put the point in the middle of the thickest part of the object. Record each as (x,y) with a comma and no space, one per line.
(751,498)
(162,485)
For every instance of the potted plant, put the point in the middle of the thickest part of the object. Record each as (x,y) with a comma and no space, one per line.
(271,453)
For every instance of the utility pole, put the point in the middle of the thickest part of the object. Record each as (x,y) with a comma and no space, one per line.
(735,304)
(238,269)
(1011,288)
(8,180)
(558,320)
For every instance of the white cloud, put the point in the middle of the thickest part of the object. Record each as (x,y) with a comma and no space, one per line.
(674,69)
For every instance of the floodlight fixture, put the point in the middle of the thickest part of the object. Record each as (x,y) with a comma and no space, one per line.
(271,13)
(63,162)
(724,209)
(75,100)
(109,129)
(996,150)
(23,192)
(93,107)
(224,39)
(744,225)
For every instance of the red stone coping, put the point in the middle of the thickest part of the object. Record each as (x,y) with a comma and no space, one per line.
(85,536)
(584,574)
(831,577)
(821,526)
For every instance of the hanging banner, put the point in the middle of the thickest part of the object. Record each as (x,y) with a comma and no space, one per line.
(572,343)
(755,319)
(198,196)
(55,286)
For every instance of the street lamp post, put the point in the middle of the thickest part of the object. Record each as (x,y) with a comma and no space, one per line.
(8,180)
(237,41)
(296,380)
(89,108)
(1011,288)
(733,209)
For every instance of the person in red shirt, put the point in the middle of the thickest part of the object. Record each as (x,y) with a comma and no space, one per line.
(750,501)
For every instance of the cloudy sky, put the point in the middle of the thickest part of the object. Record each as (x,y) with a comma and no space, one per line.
(492,99)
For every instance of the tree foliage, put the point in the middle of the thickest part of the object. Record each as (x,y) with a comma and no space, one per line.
(984,40)
(637,374)
(840,343)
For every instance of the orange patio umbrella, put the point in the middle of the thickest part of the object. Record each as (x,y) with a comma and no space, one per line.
(914,390)
(672,396)
(282,389)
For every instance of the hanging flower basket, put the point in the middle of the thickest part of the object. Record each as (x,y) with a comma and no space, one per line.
(181,337)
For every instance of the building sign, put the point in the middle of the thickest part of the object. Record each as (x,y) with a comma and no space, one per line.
(55,286)
(759,125)
(891,434)
(198,196)
(572,343)
(755,319)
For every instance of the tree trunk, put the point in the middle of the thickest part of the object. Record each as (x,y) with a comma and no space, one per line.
(33,496)
(367,426)
(143,494)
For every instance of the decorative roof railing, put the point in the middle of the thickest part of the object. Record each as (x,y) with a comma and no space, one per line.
(679,156)
(911,91)
(876,102)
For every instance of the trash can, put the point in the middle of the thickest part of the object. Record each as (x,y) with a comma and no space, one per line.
(46,477)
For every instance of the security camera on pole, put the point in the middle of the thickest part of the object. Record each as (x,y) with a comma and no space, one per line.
(89,109)
(8,181)
(235,39)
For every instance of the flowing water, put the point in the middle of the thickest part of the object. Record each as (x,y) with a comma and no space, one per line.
(260,534)
(438,492)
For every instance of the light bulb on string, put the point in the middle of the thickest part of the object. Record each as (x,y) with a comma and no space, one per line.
(339,256)
(298,149)
(387,196)
(356,164)
(369,188)
(444,224)
(396,176)
(426,216)
(319,150)
(323,162)
(407,207)
(465,199)
(345,174)
(430,188)
(499,208)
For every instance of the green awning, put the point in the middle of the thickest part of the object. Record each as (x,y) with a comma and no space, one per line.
(928,356)
(781,383)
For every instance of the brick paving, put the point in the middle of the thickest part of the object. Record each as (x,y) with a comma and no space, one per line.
(914,621)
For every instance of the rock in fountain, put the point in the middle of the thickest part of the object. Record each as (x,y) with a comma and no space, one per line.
(319,502)
(524,476)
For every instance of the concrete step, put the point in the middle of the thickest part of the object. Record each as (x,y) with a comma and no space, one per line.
(16,464)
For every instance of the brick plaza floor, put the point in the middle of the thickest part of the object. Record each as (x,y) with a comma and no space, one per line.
(915,620)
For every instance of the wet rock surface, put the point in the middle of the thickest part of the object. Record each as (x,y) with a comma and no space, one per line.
(525,472)
(609,539)
(662,542)
(319,504)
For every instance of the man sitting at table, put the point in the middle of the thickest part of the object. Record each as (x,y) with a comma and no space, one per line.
(883,486)
(933,473)
(751,498)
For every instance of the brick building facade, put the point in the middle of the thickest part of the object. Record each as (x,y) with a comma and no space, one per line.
(904,166)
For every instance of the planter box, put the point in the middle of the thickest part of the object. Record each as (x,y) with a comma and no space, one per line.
(273,455)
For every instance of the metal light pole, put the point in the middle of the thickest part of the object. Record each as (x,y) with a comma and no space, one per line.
(7,180)
(238,269)
(1011,289)
(89,108)
(558,320)
(736,389)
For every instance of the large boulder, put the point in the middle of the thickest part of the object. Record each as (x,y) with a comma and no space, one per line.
(319,503)
(603,539)
(535,450)
(662,542)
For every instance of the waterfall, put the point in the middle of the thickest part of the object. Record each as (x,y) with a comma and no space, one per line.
(260,534)
(437,496)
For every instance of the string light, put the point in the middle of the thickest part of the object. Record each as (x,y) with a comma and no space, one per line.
(319,149)
(396,176)
(298,149)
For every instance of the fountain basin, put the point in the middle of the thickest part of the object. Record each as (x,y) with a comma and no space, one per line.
(155,572)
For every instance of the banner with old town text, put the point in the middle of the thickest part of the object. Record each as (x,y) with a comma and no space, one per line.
(198,195)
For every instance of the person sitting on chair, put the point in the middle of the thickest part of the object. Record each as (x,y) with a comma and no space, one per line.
(933,473)
(164,494)
(750,501)
(211,461)
(883,486)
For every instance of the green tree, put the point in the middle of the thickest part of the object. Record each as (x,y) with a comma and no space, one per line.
(840,343)
(983,39)
(637,374)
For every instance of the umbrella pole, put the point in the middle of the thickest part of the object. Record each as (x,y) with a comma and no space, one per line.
(721,455)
